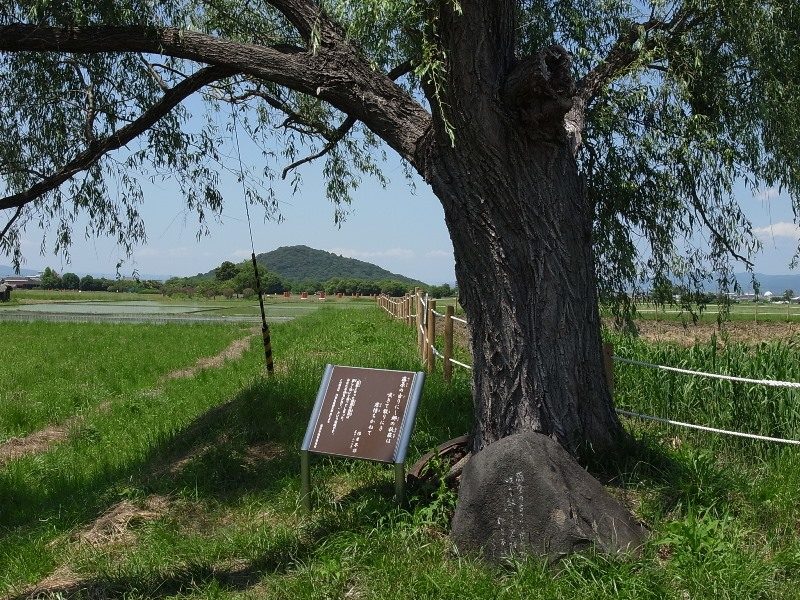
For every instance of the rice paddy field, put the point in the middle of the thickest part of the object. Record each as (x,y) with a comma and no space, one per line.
(37,305)
(172,470)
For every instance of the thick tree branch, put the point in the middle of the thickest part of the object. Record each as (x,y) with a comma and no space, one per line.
(404,68)
(336,74)
(624,53)
(305,15)
(98,148)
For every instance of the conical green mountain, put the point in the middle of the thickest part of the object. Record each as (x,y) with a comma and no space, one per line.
(299,263)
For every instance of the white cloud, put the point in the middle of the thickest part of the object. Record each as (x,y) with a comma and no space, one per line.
(403,253)
(767,194)
(780,229)
(438,254)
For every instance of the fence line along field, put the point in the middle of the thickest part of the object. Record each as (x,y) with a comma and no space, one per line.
(189,485)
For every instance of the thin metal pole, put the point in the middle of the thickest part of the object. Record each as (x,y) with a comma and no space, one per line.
(264,327)
(305,481)
(399,483)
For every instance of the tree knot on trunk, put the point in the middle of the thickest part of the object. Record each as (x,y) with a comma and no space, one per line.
(541,88)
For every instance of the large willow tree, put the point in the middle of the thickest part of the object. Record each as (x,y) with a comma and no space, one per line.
(573,145)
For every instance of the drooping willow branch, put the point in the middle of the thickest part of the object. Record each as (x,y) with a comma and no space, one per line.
(11,222)
(98,148)
(340,132)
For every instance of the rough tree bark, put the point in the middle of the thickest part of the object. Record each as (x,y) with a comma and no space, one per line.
(521,232)
(521,229)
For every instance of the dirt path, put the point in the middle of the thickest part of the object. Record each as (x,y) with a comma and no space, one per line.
(233,352)
(44,439)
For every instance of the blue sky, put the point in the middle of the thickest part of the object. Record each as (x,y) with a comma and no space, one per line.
(397,228)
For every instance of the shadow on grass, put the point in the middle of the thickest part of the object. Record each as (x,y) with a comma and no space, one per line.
(675,477)
(357,512)
(249,443)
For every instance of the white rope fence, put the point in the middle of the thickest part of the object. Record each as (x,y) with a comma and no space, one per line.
(720,376)
(766,382)
(627,413)
(751,436)
(460,364)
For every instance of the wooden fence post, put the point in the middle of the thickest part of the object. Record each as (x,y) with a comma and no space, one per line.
(431,356)
(420,334)
(608,362)
(448,344)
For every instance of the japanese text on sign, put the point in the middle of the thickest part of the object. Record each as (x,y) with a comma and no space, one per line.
(362,413)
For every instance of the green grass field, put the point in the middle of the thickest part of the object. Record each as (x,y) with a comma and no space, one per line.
(55,370)
(190,487)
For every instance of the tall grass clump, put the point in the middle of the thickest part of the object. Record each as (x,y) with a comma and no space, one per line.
(744,407)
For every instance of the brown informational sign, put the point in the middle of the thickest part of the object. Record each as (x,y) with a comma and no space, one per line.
(364,413)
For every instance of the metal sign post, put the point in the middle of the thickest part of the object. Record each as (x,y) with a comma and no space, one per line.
(362,413)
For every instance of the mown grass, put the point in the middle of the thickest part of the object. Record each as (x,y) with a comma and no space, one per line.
(222,450)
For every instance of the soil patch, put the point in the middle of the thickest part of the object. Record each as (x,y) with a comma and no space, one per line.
(733,331)
(62,582)
(114,525)
(36,442)
(263,452)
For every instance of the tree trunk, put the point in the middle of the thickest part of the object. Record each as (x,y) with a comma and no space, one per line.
(521,231)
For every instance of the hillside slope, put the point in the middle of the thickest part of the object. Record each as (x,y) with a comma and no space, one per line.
(300,263)
(6,271)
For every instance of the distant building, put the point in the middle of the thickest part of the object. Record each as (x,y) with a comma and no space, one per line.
(20,282)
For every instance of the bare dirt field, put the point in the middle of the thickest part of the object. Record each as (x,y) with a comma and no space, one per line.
(732,331)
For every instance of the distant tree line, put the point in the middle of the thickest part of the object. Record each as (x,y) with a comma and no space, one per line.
(51,280)
(231,280)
